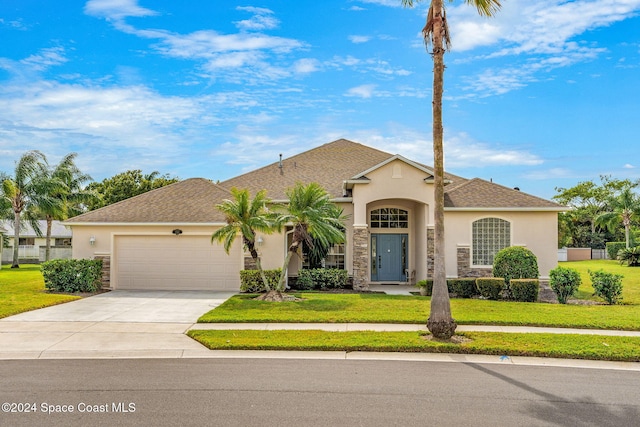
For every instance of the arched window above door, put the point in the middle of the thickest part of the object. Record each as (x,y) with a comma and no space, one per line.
(389,218)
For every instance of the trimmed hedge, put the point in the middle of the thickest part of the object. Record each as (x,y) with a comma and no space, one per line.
(525,290)
(463,287)
(490,287)
(251,281)
(515,262)
(322,278)
(72,275)
(564,282)
(614,247)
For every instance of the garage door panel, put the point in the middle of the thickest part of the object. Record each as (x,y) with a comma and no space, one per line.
(175,262)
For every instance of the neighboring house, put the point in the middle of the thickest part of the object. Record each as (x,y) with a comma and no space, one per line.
(162,239)
(31,247)
(2,233)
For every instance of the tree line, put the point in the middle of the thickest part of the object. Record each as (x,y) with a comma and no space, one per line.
(36,190)
(608,211)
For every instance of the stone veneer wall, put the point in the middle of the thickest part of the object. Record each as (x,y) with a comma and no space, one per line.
(431,233)
(106,269)
(249,263)
(360,259)
(464,265)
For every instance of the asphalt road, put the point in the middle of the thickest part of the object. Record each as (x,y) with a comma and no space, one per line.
(264,392)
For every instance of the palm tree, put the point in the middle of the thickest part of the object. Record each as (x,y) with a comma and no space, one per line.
(436,33)
(315,220)
(26,190)
(244,217)
(67,182)
(624,208)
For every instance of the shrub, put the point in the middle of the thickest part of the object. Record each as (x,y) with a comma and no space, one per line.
(427,285)
(322,278)
(515,262)
(525,290)
(251,281)
(607,286)
(614,247)
(72,275)
(463,288)
(631,256)
(490,287)
(564,282)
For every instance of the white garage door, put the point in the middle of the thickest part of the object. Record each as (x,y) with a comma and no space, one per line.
(175,262)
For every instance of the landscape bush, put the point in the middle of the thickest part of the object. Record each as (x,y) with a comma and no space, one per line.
(72,275)
(607,286)
(631,256)
(251,281)
(515,262)
(564,282)
(525,290)
(613,248)
(490,287)
(322,278)
(463,287)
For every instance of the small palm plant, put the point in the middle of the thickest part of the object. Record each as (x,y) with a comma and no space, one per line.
(244,217)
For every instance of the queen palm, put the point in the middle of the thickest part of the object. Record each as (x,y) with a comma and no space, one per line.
(436,33)
(68,188)
(624,208)
(315,220)
(244,217)
(27,191)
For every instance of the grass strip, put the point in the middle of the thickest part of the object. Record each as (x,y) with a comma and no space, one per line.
(22,289)
(568,346)
(381,308)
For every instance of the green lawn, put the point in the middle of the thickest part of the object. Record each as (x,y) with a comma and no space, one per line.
(502,344)
(22,289)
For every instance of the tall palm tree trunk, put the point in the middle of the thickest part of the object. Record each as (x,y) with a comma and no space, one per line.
(440,322)
(16,240)
(47,250)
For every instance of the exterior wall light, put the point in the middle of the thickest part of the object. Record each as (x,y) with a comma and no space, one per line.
(259,241)
(177,231)
(92,240)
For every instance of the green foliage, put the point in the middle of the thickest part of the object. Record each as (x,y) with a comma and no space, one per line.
(251,282)
(72,275)
(427,285)
(564,282)
(613,248)
(463,287)
(515,262)
(631,256)
(490,287)
(125,185)
(322,278)
(607,286)
(525,290)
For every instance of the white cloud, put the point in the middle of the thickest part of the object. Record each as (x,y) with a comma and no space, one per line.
(262,19)
(45,58)
(628,166)
(306,65)
(359,39)
(363,91)
(115,10)
(463,151)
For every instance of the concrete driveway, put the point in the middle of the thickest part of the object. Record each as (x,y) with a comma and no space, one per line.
(113,324)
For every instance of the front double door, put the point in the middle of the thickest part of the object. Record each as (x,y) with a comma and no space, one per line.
(389,257)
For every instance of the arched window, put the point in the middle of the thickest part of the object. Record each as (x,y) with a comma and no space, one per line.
(489,236)
(389,218)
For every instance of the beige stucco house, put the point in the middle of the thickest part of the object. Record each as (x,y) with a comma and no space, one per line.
(161,239)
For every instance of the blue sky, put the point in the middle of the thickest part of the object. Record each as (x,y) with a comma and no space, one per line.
(545,94)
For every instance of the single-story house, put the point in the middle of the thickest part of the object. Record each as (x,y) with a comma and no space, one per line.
(2,233)
(162,239)
(31,246)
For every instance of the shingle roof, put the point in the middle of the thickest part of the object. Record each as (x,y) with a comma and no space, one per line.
(478,193)
(328,165)
(192,200)
(188,201)
(57,229)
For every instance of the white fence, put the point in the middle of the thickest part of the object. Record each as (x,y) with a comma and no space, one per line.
(30,253)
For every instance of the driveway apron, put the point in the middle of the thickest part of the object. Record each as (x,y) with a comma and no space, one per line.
(112,324)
